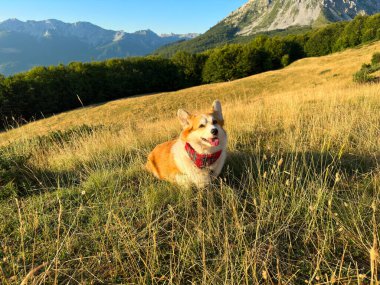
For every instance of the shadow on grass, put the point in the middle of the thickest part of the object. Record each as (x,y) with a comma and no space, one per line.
(306,166)
(22,179)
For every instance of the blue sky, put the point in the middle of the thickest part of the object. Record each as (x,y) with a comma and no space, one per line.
(161,16)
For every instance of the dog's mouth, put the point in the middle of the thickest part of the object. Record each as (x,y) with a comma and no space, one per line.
(212,141)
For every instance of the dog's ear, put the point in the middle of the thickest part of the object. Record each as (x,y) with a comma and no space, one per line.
(217,108)
(184,118)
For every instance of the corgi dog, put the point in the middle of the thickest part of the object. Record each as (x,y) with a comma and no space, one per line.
(198,155)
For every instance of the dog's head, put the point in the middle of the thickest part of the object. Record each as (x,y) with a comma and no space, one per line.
(204,132)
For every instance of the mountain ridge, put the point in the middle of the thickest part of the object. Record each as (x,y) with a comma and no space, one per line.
(79,29)
(25,44)
(274,17)
(267,15)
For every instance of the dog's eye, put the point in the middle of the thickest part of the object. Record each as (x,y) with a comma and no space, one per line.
(214,122)
(201,126)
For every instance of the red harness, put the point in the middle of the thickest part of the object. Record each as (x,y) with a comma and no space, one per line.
(202,160)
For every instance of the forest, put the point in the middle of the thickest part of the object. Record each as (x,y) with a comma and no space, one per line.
(44,91)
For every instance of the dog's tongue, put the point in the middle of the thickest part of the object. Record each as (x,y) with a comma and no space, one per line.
(214,141)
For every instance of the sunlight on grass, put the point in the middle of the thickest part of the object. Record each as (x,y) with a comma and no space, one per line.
(297,203)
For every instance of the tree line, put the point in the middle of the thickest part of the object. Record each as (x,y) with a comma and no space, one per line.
(44,91)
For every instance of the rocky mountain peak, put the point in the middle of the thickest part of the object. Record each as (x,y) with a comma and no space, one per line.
(266,15)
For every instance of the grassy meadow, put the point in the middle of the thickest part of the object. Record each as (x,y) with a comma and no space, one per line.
(298,201)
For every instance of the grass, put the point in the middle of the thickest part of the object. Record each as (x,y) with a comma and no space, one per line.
(297,203)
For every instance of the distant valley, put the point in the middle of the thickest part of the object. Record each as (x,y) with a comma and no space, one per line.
(24,45)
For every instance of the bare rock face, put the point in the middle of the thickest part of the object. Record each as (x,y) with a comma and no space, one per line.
(267,15)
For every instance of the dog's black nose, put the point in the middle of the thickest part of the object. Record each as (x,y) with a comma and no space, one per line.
(214,132)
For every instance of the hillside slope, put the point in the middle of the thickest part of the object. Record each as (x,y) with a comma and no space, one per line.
(310,74)
(297,202)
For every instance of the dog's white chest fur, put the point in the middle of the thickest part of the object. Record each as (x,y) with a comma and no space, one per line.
(190,173)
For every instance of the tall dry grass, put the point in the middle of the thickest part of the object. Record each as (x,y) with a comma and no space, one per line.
(297,202)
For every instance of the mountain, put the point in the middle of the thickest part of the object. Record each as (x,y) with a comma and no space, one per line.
(275,16)
(268,15)
(32,43)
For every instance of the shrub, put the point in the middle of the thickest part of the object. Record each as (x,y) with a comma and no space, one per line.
(364,74)
(375,59)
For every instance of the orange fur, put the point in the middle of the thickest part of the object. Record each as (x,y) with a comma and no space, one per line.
(161,162)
